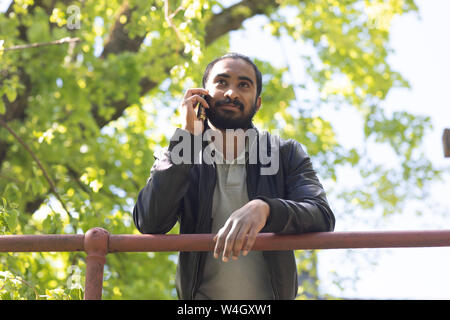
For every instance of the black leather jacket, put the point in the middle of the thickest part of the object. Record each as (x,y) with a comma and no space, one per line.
(184,193)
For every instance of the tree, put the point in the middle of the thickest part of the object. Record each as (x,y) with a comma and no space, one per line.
(83,86)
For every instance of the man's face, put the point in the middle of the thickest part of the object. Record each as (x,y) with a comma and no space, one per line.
(232,86)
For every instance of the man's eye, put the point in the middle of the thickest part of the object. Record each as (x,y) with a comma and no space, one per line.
(244,84)
(221,81)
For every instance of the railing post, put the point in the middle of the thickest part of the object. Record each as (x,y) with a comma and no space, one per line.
(446,141)
(96,246)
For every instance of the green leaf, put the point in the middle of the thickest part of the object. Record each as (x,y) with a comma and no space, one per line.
(5,203)
(12,219)
(2,106)
(11,93)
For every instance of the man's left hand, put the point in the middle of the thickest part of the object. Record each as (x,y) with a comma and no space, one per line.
(240,230)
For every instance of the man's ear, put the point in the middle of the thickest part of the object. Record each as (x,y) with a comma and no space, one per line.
(258,103)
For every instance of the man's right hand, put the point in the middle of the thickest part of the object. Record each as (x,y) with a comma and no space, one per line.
(189,111)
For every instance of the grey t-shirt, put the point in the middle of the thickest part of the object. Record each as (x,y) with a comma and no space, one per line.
(247,277)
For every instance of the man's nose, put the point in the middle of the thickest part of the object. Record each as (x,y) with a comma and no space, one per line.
(231,94)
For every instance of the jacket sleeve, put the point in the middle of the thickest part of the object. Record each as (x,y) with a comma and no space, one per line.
(305,207)
(159,203)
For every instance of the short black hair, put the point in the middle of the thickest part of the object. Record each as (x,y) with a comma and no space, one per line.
(235,56)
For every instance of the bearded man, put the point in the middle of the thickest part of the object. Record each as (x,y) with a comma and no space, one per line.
(220,183)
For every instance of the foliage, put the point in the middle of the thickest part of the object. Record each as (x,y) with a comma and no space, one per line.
(93,111)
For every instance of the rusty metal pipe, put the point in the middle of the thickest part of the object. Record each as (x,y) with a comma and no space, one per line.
(160,242)
(42,243)
(203,242)
(97,243)
(446,142)
(96,247)
(270,241)
(355,240)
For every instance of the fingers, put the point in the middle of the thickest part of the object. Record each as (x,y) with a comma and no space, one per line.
(239,240)
(220,239)
(194,95)
(188,115)
(196,99)
(192,91)
(240,231)
(230,243)
(231,239)
(251,238)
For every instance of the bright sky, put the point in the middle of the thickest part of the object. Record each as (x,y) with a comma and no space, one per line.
(422,51)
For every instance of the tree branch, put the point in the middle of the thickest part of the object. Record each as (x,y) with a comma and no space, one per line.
(41,44)
(232,17)
(118,39)
(168,17)
(35,158)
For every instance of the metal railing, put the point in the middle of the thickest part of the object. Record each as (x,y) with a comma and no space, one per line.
(97,243)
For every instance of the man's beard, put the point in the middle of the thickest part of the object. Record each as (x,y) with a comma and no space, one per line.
(225,119)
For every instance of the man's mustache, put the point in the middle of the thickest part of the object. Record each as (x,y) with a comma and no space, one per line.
(234,102)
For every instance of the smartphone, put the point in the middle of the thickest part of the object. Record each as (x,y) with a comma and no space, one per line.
(201,114)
